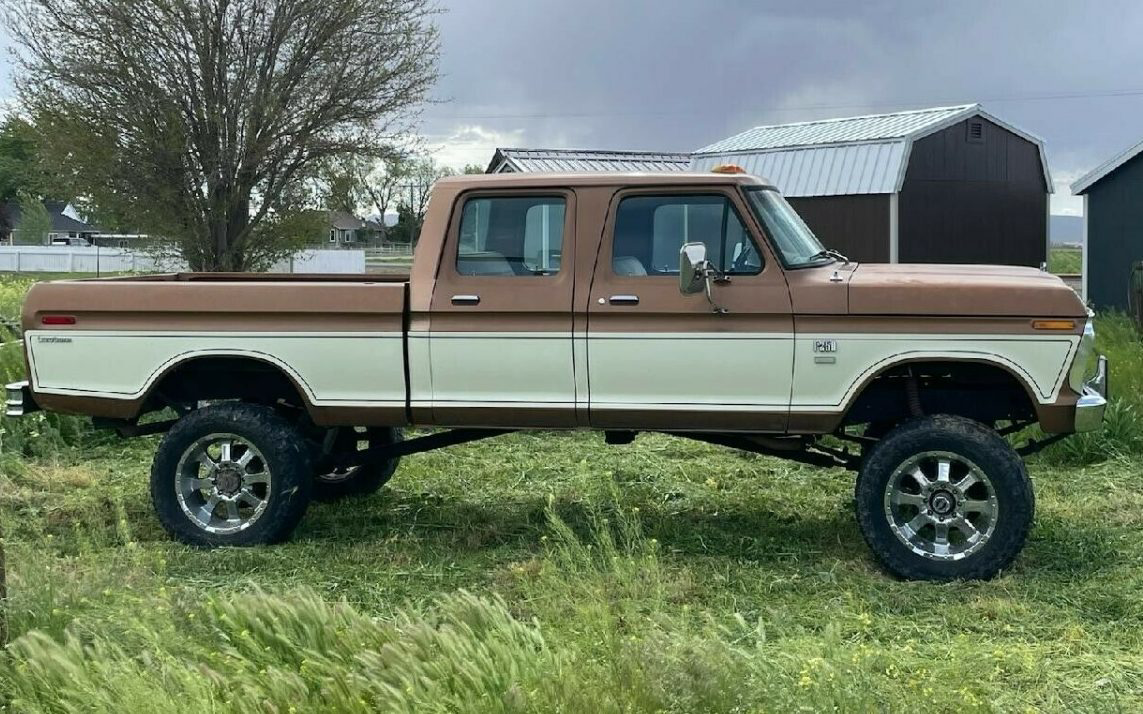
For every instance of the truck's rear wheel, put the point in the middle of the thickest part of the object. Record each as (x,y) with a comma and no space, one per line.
(337,484)
(231,474)
(942,498)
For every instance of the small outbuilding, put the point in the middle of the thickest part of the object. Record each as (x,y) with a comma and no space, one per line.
(942,185)
(1112,227)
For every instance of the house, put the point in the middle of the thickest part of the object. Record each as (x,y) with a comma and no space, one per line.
(574,160)
(1113,227)
(66,227)
(349,231)
(942,185)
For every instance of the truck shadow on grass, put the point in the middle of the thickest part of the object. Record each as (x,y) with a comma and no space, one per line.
(1059,549)
(1067,550)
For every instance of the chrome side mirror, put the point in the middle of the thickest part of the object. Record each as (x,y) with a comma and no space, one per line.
(693,268)
(697,275)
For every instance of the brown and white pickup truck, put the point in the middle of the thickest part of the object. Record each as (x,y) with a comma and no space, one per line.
(695,304)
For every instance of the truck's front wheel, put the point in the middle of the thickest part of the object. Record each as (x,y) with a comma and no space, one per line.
(942,498)
(231,474)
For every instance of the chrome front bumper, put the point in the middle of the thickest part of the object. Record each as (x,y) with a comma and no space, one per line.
(1093,401)
(19,400)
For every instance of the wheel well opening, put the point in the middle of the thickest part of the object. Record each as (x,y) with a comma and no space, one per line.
(976,390)
(217,378)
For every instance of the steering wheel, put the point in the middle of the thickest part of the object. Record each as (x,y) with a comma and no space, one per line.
(742,263)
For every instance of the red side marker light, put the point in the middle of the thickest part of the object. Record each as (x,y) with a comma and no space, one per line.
(57,320)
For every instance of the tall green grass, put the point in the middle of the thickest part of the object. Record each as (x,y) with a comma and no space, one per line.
(39,435)
(1122,434)
(596,628)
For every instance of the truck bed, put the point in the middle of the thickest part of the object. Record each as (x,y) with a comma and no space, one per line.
(340,339)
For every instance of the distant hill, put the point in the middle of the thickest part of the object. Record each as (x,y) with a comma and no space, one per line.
(1066,229)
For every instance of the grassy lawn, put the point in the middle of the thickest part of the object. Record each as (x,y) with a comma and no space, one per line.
(544,572)
(1065,261)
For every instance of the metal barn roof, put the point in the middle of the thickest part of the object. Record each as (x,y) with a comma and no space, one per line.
(1105,169)
(575,160)
(836,157)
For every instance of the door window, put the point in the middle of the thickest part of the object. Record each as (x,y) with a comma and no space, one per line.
(506,236)
(651,230)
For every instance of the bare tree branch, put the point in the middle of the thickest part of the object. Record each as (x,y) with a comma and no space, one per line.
(204,119)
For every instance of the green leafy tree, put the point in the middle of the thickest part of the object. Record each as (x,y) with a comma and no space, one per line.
(205,120)
(21,167)
(35,222)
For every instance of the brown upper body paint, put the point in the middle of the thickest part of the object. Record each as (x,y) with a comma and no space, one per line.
(838,298)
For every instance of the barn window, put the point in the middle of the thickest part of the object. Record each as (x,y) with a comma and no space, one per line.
(976,132)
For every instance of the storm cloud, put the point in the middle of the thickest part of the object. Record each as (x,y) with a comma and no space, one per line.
(678,74)
(673,75)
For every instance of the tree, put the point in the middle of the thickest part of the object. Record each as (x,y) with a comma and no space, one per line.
(204,120)
(412,195)
(22,170)
(21,167)
(35,222)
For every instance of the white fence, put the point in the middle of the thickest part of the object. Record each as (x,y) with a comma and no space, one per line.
(388,249)
(73,259)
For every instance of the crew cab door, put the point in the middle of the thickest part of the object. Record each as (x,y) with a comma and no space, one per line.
(661,359)
(500,335)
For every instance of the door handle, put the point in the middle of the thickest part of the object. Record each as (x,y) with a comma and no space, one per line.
(624,300)
(465,299)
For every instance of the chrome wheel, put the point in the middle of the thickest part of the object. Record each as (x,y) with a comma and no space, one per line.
(223,483)
(941,506)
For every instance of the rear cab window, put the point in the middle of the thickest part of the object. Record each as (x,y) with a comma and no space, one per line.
(519,235)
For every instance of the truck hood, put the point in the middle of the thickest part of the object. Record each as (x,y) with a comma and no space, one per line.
(966,290)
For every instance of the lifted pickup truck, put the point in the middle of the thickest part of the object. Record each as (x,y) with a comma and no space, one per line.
(695,304)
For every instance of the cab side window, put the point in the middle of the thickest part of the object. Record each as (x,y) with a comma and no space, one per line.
(511,235)
(650,231)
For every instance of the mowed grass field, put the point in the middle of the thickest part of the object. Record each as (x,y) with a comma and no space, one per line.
(551,572)
(1065,261)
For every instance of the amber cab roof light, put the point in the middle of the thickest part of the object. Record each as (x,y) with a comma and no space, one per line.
(728,169)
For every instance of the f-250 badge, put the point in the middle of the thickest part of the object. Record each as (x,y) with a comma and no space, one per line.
(829,346)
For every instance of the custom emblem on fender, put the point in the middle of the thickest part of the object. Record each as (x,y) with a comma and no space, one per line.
(829,346)
(54,340)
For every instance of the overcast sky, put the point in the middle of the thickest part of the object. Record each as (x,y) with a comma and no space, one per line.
(679,74)
(674,75)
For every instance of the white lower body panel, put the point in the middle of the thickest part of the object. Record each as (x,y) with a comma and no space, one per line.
(334,369)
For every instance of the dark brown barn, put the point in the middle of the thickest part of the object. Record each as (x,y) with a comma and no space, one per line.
(944,185)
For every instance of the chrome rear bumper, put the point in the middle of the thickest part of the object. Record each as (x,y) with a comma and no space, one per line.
(19,400)
(1093,401)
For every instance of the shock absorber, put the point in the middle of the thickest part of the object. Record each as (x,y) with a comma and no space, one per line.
(913,395)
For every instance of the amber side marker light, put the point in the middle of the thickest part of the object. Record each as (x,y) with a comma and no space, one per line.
(57,320)
(728,169)
(1053,324)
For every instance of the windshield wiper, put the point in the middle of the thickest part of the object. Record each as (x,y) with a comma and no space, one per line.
(828,253)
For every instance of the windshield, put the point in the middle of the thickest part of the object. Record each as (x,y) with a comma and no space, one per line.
(790,235)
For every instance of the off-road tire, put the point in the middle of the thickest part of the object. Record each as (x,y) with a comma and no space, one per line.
(363,480)
(968,439)
(286,455)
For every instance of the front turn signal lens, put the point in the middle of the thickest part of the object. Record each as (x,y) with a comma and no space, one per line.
(1053,324)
